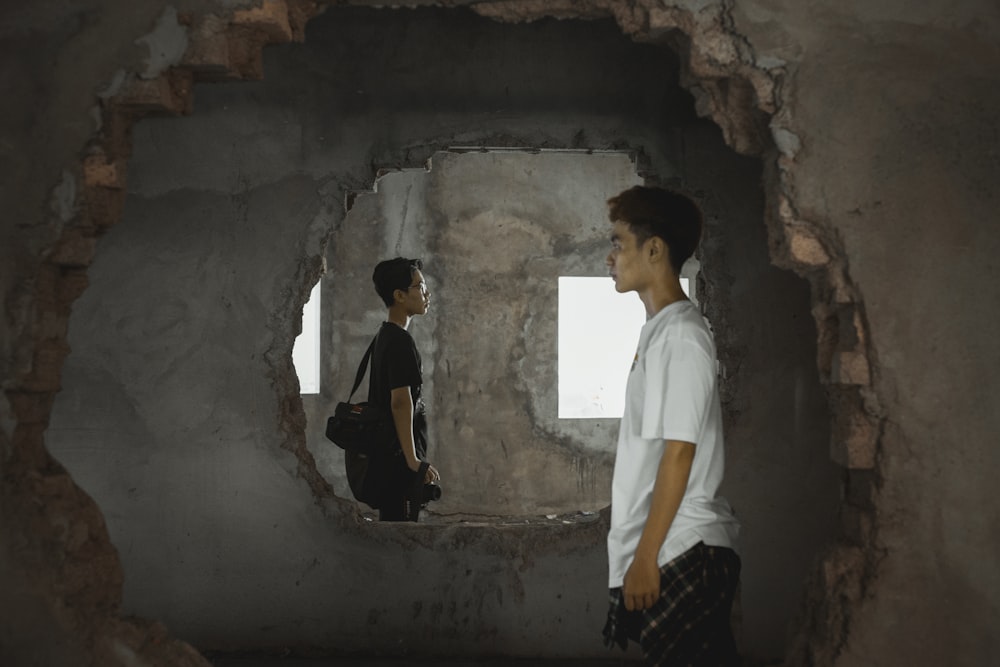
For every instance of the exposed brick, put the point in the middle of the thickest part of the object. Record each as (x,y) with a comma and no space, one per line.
(47,287)
(47,365)
(858,524)
(71,285)
(840,286)
(28,444)
(848,335)
(169,93)
(842,570)
(804,247)
(58,485)
(662,20)
(716,50)
(851,367)
(182,86)
(101,208)
(859,328)
(145,94)
(786,212)
(859,488)
(53,324)
(31,407)
(853,440)
(299,13)
(75,248)
(116,129)
(208,57)
(97,171)
(271,18)
(150,642)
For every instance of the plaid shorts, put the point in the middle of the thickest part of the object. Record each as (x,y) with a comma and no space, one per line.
(689,623)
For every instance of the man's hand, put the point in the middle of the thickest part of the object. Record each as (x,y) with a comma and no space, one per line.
(432,476)
(641,587)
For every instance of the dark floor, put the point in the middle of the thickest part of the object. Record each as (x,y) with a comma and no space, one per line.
(419,662)
(273,661)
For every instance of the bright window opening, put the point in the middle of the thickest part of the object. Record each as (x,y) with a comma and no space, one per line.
(598,333)
(305,353)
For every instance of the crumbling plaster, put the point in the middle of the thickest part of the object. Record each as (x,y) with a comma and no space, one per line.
(489,337)
(202,208)
(877,116)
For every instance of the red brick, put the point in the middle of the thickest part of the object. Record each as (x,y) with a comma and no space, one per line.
(75,248)
(851,367)
(47,365)
(31,407)
(97,171)
(271,18)
(854,440)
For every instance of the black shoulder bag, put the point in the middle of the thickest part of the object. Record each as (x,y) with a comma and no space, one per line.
(360,427)
(363,431)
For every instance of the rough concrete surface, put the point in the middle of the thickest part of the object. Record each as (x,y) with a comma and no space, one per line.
(202,501)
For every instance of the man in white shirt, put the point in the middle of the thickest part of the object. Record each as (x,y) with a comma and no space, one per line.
(673,570)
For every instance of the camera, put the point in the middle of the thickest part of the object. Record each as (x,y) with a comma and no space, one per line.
(430,492)
(420,493)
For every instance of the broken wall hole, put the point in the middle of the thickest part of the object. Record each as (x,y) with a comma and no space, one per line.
(495,229)
(176,204)
(477,313)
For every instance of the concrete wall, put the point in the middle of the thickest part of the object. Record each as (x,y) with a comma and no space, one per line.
(884,117)
(897,107)
(175,337)
(496,231)
(172,374)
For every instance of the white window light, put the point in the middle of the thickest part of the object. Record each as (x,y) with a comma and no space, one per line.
(598,333)
(305,352)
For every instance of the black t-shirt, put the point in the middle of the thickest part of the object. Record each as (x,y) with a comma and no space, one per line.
(396,363)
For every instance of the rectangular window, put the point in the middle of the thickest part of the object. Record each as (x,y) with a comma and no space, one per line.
(598,334)
(305,352)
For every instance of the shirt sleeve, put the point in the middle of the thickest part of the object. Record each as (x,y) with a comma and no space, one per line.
(680,380)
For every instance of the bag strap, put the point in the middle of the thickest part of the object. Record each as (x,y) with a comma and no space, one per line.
(362,368)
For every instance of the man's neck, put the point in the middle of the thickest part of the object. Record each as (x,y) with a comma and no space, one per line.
(660,295)
(398,317)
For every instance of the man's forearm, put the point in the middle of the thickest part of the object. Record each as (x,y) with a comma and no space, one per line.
(668,492)
(402,417)
(641,586)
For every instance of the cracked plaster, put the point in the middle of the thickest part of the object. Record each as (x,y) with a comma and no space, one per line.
(714,104)
(715,52)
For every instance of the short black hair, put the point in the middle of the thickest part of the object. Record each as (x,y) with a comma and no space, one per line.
(650,211)
(393,274)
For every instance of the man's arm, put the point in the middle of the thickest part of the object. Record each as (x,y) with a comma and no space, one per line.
(641,587)
(401,404)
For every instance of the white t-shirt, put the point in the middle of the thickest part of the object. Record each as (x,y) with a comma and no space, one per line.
(671,394)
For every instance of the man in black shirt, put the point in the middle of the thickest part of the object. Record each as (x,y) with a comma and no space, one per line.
(395,386)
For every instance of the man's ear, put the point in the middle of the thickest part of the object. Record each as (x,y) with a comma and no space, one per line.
(659,252)
(656,249)
(398,295)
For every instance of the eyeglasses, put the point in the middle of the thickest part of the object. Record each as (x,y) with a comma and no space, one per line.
(422,286)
